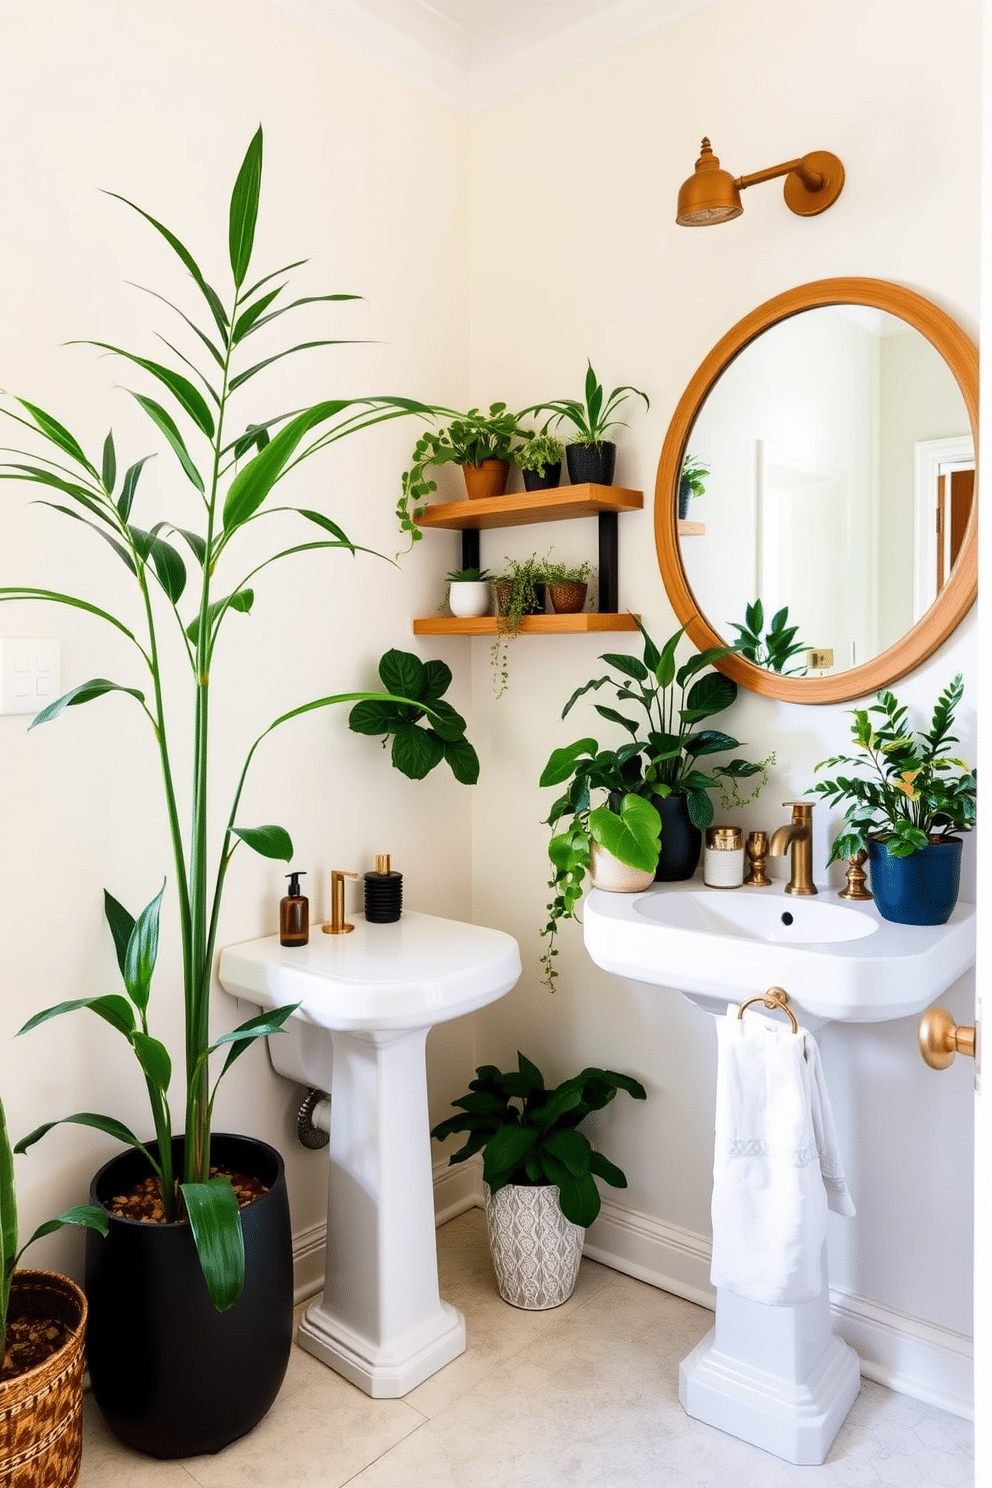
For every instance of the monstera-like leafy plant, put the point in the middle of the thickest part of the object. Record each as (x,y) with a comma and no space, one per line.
(188,584)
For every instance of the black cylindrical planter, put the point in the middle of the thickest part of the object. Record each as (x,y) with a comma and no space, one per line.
(681,842)
(546,482)
(172,1376)
(591,462)
(685,496)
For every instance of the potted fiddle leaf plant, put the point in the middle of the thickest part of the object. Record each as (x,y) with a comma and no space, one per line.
(589,454)
(907,805)
(481,442)
(42,1328)
(540,1172)
(179,1367)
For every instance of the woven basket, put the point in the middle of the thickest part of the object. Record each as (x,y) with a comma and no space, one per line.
(41,1411)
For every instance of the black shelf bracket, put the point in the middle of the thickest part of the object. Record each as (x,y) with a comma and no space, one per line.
(608,562)
(470,548)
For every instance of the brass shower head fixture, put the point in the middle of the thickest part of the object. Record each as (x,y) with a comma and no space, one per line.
(812,184)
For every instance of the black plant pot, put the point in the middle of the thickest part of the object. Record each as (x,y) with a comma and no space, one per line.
(546,482)
(685,496)
(172,1376)
(594,463)
(681,842)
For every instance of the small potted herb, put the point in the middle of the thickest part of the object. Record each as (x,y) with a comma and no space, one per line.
(469,592)
(540,1172)
(905,807)
(520,591)
(590,456)
(691,483)
(539,461)
(567,584)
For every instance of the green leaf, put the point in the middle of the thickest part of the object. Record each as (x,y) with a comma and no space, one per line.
(633,836)
(166,424)
(8,1216)
(255,480)
(403,673)
(113,1008)
(142,952)
(248,317)
(269,841)
(92,1216)
(210,295)
(463,760)
(631,666)
(445,722)
(244,209)
(571,1148)
(154,1060)
(303,300)
(84,693)
(606,1170)
(59,435)
(561,765)
(106,1124)
(372,716)
(505,1151)
(129,487)
(250,372)
(242,1037)
(186,394)
(711,694)
(109,469)
(241,600)
(216,1224)
(415,751)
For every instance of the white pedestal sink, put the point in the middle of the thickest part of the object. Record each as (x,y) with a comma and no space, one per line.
(776,1376)
(366,1004)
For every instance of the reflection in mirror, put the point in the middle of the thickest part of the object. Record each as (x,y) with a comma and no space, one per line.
(831,524)
(814,438)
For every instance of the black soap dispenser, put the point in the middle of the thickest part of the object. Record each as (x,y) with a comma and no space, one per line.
(383,893)
(294,914)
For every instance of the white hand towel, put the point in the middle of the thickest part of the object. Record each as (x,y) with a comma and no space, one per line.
(776,1165)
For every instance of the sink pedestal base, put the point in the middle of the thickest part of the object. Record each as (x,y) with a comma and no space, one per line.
(776,1377)
(380,1322)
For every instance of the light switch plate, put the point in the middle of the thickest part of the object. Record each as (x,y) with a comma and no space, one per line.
(30,674)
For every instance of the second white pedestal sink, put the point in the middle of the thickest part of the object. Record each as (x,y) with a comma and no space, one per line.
(367,1001)
(775,1376)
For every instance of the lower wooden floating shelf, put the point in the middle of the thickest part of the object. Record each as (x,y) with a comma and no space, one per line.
(588,621)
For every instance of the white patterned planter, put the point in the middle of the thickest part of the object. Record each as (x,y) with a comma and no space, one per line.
(536,1251)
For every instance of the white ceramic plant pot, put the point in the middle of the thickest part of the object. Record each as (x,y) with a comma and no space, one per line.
(607,872)
(536,1251)
(468,599)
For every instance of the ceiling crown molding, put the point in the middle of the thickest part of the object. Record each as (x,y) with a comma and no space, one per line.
(473,63)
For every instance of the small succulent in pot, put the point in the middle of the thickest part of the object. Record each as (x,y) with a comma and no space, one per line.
(913,792)
(469,592)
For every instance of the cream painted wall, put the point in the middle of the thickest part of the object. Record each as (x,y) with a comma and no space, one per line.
(159,105)
(597,267)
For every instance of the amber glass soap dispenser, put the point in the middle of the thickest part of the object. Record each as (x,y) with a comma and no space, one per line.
(294,914)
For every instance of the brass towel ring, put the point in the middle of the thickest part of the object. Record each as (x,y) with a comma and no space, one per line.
(774,998)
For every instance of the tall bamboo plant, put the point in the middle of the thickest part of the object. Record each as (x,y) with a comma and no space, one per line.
(176,574)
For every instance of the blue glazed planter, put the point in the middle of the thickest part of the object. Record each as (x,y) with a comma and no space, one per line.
(919,890)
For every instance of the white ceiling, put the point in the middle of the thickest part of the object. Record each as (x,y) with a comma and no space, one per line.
(474,53)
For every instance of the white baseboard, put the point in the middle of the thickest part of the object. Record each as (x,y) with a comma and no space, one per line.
(901,1352)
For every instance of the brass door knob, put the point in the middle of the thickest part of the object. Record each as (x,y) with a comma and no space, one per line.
(941,1039)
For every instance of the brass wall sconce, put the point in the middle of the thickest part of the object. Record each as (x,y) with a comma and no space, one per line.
(812,184)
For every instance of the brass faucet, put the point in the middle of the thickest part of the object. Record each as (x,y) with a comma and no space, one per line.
(798,836)
(338,925)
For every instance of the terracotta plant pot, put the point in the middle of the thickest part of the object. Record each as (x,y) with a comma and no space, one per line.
(504,592)
(487,479)
(41,1410)
(536,1251)
(568,599)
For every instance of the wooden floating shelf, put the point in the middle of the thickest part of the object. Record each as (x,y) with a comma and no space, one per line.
(525,507)
(588,621)
(692,529)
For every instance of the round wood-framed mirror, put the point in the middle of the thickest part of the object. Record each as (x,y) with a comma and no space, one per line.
(835,525)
